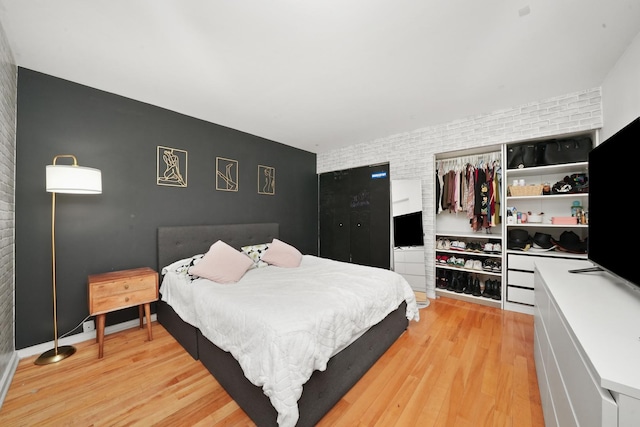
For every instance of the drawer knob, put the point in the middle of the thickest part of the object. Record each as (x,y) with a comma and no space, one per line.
(126,299)
(126,286)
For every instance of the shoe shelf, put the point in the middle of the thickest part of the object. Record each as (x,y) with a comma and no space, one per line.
(477,266)
(471,270)
(454,235)
(471,288)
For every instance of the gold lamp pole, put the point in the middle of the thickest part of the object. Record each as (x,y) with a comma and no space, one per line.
(72,179)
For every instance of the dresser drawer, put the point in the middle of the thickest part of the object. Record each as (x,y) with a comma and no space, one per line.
(520,278)
(521,262)
(520,295)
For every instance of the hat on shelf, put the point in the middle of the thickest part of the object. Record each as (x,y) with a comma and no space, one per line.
(519,239)
(542,242)
(570,242)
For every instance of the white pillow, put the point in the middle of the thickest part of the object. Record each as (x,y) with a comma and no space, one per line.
(282,254)
(181,265)
(222,264)
(255,252)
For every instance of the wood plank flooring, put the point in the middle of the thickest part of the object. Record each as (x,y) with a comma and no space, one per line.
(462,364)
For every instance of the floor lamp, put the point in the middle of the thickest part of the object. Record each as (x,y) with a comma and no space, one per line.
(72,179)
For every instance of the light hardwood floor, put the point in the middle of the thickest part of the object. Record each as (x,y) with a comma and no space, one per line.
(462,364)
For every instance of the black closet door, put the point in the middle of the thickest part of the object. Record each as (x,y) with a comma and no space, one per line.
(355,215)
(334,216)
(380,217)
(360,214)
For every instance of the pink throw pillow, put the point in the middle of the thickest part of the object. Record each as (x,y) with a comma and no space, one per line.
(282,254)
(222,264)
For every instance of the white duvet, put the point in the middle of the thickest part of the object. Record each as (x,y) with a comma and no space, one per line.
(281,324)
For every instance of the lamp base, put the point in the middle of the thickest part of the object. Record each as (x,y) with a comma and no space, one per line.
(53,356)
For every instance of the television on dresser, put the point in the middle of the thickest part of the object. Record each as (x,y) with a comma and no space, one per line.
(614,173)
(407,230)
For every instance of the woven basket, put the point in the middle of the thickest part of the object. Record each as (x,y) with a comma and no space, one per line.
(526,190)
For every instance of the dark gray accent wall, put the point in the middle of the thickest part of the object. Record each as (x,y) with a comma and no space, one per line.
(117,229)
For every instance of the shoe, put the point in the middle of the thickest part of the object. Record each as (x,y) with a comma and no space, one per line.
(469,264)
(460,262)
(496,267)
(488,288)
(497,290)
(468,289)
(462,282)
(440,244)
(477,265)
(444,259)
(488,247)
(446,245)
(462,246)
(487,265)
(497,248)
(476,291)
(453,283)
(451,261)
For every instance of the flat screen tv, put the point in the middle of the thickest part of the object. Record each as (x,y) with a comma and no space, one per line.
(613,177)
(407,230)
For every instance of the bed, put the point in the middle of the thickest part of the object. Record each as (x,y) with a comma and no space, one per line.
(325,386)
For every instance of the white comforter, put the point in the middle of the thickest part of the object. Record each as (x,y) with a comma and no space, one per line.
(281,324)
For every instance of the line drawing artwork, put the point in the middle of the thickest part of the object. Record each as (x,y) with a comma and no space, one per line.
(168,170)
(226,174)
(266,180)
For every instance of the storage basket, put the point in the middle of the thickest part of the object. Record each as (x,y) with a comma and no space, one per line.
(526,190)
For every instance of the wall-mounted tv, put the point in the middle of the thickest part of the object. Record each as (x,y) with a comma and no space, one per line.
(613,175)
(407,230)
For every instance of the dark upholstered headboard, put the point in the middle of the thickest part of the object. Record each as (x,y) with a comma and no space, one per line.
(179,242)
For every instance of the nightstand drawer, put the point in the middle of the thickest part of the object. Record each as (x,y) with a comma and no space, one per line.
(116,300)
(122,289)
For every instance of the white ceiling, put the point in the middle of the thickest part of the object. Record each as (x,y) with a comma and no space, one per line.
(321,74)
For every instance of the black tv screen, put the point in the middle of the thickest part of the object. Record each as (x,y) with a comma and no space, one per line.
(613,175)
(407,230)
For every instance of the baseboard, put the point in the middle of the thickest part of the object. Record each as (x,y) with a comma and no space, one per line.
(78,338)
(7,376)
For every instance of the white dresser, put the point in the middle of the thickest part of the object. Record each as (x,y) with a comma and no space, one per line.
(408,261)
(587,346)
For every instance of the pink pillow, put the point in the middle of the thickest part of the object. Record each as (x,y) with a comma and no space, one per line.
(281,254)
(222,264)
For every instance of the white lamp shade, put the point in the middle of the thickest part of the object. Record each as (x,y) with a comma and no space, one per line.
(73,179)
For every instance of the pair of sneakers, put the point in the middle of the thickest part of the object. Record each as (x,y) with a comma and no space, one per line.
(443,244)
(473,264)
(492,265)
(458,245)
(492,248)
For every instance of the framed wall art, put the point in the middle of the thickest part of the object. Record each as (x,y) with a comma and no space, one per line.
(171,167)
(266,180)
(226,174)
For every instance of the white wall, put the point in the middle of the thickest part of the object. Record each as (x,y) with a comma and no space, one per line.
(621,91)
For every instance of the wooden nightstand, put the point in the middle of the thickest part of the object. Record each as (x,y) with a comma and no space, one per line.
(121,289)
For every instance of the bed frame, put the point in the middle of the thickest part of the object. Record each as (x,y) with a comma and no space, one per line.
(324,389)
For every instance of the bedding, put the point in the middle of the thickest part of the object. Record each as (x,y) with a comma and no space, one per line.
(294,319)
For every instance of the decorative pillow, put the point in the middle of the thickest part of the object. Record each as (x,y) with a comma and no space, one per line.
(222,264)
(182,265)
(282,254)
(255,252)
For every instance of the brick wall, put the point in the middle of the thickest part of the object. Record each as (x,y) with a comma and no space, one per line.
(8,87)
(411,155)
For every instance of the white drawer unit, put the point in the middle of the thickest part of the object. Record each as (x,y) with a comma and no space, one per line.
(409,262)
(520,283)
(586,352)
